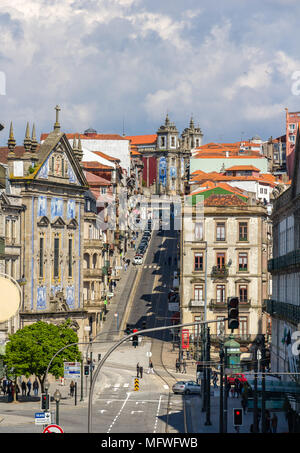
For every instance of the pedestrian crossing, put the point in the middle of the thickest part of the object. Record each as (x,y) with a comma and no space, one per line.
(150,266)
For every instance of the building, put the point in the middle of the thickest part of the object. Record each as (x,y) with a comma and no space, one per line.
(51,183)
(284,305)
(219,156)
(292,120)
(166,158)
(224,251)
(275,151)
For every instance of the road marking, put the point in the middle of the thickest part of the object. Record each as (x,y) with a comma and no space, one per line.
(102,410)
(118,415)
(166,386)
(126,385)
(134,412)
(157,414)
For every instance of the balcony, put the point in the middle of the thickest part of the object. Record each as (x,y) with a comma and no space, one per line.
(283,310)
(215,303)
(92,273)
(196,303)
(93,243)
(219,272)
(284,261)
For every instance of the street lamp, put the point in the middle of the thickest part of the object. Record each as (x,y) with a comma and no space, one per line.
(46,386)
(57,397)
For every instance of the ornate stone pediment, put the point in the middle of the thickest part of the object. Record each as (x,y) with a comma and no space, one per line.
(73,224)
(58,222)
(43,221)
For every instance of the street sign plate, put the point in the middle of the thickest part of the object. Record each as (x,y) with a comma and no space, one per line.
(72,370)
(42,418)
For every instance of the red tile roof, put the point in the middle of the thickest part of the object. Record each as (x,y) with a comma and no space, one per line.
(19,151)
(93,179)
(106,156)
(142,139)
(224,200)
(242,167)
(217,150)
(96,165)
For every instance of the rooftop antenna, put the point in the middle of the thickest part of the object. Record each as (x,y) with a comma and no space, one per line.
(123,127)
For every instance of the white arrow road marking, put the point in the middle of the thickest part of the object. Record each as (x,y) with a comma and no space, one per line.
(118,415)
(140,402)
(133,412)
(166,386)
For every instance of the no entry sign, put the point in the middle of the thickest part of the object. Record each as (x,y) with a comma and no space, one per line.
(53,429)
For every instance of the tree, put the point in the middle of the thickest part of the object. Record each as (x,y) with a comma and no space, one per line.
(30,350)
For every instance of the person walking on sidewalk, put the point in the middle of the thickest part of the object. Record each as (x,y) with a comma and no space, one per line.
(72,388)
(137,370)
(184,366)
(177,366)
(150,367)
(23,387)
(29,387)
(35,387)
(141,372)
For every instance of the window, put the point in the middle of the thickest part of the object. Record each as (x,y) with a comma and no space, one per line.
(243,261)
(220,260)
(243,326)
(56,258)
(70,267)
(198,262)
(162,141)
(172,141)
(220,293)
(220,231)
(199,231)
(197,142)
(220,325)
(243,231)
(198,292)
(41,255)
(103,190)
(63,167)
(243,293)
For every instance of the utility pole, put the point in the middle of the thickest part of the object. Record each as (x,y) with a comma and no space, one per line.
(208,422)
(255,406)
(263,385)
(225,393)
(203,355)
(221,416)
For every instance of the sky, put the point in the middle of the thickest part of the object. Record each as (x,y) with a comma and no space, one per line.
(110,64)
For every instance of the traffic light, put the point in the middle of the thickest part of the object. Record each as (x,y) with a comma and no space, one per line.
(238,417)
(233,312)
(45,401)
(128,329)
(86,370)
(135,341)
(144,325)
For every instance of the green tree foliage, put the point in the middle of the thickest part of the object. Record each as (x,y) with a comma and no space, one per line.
(30,349)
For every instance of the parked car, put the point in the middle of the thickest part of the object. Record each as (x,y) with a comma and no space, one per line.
(138,259)
(186,387)
(241,377)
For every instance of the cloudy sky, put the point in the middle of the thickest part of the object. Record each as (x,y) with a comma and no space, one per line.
(229,63)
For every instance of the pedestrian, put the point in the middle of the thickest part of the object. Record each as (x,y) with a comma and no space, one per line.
(274,422)
(268,422)
(141,371)
(125,266)
(215,380)
(29,387)
(128,262)
(4,386)
(17,391)
(232,391)
(150,367)
(184,366)
(9,392)
(35,387)
(188,355)
(177,366)
(23,387)
(137,369)
(72,388)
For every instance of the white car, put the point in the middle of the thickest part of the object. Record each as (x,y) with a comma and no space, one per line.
(138,259)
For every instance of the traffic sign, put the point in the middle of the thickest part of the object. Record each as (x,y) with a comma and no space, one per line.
(42,418)
(72,370)
(136,384)
(53,429)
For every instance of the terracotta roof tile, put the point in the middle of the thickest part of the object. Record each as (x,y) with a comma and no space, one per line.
(142,139)
(224,200)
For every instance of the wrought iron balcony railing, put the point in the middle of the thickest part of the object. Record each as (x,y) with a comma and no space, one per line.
(219,272)
(283,310)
